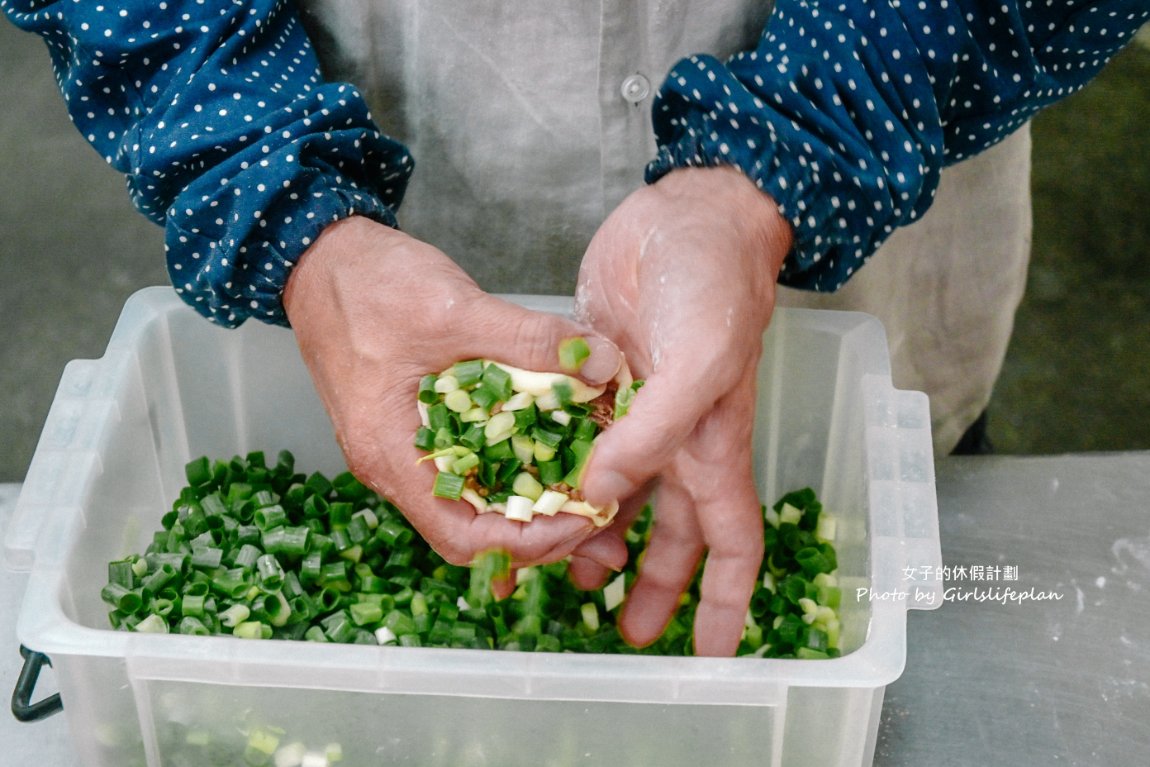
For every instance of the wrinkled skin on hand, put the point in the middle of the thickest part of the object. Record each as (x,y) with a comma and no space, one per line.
(682,276)
(373,311)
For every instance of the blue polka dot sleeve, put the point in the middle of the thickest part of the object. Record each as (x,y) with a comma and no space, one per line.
(218,116)
(846,112)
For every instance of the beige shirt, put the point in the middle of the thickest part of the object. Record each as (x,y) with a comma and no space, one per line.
(530,121)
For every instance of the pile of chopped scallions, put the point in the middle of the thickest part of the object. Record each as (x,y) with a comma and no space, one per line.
(262,551)
(515,441)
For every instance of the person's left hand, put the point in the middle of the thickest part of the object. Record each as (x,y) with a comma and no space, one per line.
(682,277)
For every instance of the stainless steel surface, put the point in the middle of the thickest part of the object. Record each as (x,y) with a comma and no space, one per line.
(1064,680)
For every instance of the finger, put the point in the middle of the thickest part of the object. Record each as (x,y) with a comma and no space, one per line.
(669,564)
(729,577)
(541,541)
(506,332)
(454,529)
(636,448)
(717,463)
(594,560)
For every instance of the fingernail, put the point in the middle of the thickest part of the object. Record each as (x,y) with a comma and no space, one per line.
(609,486)
(603,363)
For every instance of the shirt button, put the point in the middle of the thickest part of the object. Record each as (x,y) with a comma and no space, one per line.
(635,88)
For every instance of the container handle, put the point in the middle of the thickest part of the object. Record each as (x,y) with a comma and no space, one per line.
(22,706)
(63,461)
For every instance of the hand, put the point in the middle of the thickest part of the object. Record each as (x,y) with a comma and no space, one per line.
(682,276)
(373,311)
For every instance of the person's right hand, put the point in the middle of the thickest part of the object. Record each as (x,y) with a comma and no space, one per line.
(682,276)
(374,310)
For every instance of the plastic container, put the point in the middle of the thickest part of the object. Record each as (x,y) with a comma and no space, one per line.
(172,387)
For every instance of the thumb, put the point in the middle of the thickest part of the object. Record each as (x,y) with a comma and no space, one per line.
(637,448)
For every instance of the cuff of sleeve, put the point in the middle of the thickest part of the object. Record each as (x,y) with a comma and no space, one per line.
(230,252)
(249,283)
(841,209)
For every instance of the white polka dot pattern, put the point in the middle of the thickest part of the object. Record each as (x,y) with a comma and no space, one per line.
(847,111)
(218,116)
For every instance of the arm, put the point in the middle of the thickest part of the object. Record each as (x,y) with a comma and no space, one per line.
(837,126)
(218,116)
(846,113)
(226,133)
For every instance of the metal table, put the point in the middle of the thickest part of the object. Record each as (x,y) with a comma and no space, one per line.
(1061,681)
(1040,654)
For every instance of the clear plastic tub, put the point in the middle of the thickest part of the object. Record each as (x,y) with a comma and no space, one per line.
(171,387)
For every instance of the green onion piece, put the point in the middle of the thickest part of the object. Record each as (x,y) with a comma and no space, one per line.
(458,401)
(152,624)
(581,450)
(252,630)
(357,529)
(497,381)
(487,567)
(198,472)
(270,573)
(339,515)
(465,463)
(394,533)
(123,599)
(363,613)
(213,505)
(590,616)
(207,558)
(338,627)
(315,507)
(573,352)
(584,430)
(550,473)
(235,615)
(427,393)
(525,484)
(122,573)
(270,516)
(624,398)
(563,392)
(467,373)
(334,576)
(246,556)
(483,399)
(192,606)
(230,586)
(473,436)
(550,436)
(524,448)
(192,626)
(615,592)
(287,539)
(448,485)
(438,417)
(807,653)
(425,439)
(157,579)
(524,417)
(500,427)
(276,609)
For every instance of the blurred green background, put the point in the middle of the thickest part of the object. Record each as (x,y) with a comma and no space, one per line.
(1077,376)
(1077,373)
